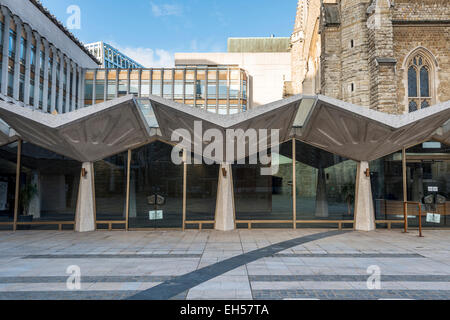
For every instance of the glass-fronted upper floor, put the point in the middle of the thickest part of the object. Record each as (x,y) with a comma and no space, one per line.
(221,90)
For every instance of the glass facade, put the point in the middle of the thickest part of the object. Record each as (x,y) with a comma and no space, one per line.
(325,185)
(201,192)
(153,176)
(110,188)
(387,187)
(428,166)
(264,197)
(48,186)
(218,90)
(8,160)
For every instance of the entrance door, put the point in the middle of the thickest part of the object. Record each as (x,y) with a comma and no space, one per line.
(156,188)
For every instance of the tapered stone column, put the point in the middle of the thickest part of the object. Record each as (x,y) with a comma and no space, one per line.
(364,211)
(225,200)
(321,194)
(5,50)
(84,217)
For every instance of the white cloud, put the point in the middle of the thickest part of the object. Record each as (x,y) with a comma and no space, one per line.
(150,58)
(166,9)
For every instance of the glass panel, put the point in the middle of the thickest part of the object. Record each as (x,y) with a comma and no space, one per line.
(223,89)
(156,88)
(428,166)
(148,112)
(168,90)
(123,88)
(145,88)
(134,87)
(412,82)
(412,106)
(111,187)
(212,90)
(178,89)
(387,187)
(8,160)
(424,104)
(424,83)
(48,185)
(153,173)
(201,191)
(264,197)
(200,91)
(303,112)
(325,184)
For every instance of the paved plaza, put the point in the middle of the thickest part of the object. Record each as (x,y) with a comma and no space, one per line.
(242,264)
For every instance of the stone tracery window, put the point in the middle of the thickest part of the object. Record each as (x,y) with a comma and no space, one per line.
(419,82)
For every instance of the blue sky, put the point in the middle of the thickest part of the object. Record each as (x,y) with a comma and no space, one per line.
(151,31)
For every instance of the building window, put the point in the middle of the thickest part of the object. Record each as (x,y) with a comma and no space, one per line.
(12,43)
(419,82)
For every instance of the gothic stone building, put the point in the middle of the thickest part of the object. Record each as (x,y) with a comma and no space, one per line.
(391,56)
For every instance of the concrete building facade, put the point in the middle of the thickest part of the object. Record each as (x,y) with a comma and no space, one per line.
(104,159)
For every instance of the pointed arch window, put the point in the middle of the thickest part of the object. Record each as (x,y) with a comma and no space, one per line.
(419,82)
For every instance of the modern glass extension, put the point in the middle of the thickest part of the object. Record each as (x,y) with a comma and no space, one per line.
(221,90)
(143,189)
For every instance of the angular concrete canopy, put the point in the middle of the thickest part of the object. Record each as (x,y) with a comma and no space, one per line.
(87,134)
(347,130)
(7,135)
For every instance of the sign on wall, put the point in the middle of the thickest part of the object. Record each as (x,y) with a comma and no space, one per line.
(155,215)
(433,218)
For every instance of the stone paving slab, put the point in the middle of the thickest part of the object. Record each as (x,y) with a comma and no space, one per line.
(120,265)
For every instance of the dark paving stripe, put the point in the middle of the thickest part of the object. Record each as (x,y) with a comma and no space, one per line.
(66,295)
(172,288)
(62,279)
(320,277)
(111,256)
(351,294)
(349,255)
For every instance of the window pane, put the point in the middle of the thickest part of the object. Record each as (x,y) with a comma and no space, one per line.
(110,187)
(264,197)
(49,185)
(412,82)
(424,104)
(201,191)
(412,106)
(424,83)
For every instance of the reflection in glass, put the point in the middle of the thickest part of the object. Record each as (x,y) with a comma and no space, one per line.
(264,197)
(153,173)
(48,185)
(8,160)
(387,187)
(110,187)
(202,181)
(428,165)
(325,184)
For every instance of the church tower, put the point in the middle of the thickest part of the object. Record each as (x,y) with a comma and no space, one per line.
(297,44)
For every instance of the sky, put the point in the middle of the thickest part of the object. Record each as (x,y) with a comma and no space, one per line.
(151,31)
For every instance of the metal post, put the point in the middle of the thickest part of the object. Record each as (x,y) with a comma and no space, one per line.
(420,220)
(184,187)
(405,191)
(16,197)
(294,185)
(127,209)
